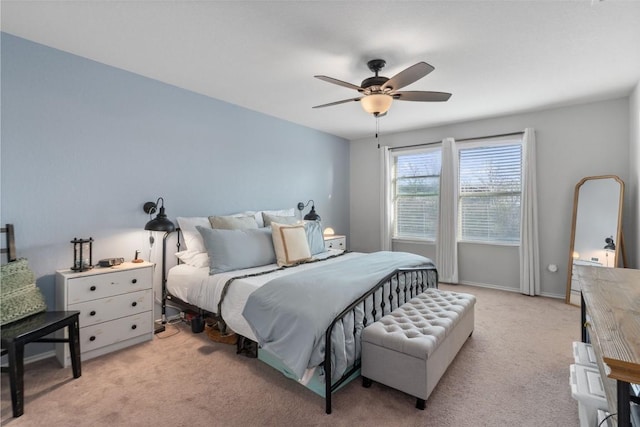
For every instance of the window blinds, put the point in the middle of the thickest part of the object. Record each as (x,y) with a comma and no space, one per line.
(416,187)
(490,185)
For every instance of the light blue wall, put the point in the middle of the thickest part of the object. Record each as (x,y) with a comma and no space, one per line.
(84,145)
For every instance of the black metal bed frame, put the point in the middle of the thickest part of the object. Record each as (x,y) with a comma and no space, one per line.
(406,283)
(385,296)
(165,293)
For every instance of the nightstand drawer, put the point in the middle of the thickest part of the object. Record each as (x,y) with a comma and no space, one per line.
(96,286)
(105,309)
(107,333)
(335,242)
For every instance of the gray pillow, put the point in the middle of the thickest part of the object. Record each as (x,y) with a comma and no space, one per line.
(233,222)
(314,237)
(237,249)
(288,220)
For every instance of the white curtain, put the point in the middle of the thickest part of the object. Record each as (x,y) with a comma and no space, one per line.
(529,248)
(447,239)
(386,213)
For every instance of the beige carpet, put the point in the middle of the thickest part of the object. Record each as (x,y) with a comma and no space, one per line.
(513,371)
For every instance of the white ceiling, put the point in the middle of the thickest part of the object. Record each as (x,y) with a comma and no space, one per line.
(495,57)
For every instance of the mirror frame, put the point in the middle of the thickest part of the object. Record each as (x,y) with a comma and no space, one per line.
(573,227)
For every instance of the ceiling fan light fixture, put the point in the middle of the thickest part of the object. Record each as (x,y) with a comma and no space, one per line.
(376,103)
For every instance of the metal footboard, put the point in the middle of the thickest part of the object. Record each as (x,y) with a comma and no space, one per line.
(387,295)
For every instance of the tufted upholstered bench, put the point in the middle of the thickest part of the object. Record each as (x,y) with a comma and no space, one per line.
(410,348)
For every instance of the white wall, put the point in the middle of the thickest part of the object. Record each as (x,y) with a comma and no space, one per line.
(572,142)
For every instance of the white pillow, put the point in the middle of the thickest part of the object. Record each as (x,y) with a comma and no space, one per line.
(281,212)
(290,243)
(194,258)
(193,238)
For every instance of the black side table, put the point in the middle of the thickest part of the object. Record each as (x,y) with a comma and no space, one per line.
(17,334)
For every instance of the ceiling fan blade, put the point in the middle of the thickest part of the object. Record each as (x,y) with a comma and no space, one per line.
(338,102)
(421,96)
(408,76)
(339,82)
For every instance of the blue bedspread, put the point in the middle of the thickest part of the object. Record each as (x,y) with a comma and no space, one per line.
(289,315)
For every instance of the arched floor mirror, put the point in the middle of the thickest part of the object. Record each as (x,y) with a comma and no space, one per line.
(596,228)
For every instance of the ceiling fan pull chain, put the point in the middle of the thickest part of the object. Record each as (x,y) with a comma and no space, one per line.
(378,130)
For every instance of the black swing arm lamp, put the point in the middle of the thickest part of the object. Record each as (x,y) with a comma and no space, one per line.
(160,222)
(312,215)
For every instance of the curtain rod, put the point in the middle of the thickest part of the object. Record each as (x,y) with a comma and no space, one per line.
(458,140)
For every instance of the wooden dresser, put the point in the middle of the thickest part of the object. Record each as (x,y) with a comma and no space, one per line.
(611,318)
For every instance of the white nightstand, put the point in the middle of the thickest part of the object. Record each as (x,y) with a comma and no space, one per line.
(335,242)
(115,304)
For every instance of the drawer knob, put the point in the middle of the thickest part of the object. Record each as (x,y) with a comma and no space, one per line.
(133,304)
(92,288)
(92,338)
(134,281)
(93,313)
(133,326)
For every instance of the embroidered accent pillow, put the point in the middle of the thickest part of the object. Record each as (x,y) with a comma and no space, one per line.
(290,243)
(19,295)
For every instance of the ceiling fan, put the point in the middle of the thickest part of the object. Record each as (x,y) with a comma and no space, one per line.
(378,92)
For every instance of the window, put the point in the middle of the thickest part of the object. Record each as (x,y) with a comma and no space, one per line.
(490,180)
(415,192)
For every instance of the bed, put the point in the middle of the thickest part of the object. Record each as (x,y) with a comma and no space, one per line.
(307,308)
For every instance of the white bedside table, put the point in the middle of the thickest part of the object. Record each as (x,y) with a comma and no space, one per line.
(115,304)
(335,241)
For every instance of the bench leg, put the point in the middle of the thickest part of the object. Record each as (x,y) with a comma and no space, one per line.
(366,382)
(16,377)
(421,404)
(74,348)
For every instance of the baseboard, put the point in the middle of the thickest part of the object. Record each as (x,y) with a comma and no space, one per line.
(486,285)
(34,358)
(504,288)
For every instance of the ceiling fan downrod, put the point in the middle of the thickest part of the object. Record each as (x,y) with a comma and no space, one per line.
(375,65)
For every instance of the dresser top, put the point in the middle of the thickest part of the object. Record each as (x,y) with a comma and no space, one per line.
(612,299)
(102,270)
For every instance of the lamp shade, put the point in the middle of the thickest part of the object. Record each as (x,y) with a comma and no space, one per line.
(610,244)
(376,103)
(312,215)
(160,222)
